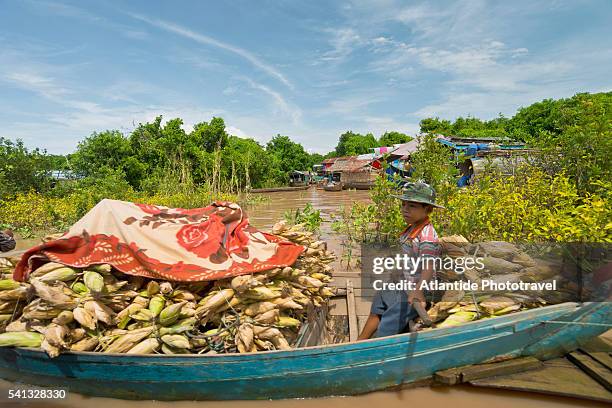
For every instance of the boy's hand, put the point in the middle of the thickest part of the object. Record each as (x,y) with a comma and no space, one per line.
(416,295)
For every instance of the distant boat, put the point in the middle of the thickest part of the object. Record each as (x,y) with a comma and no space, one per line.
(333,187)
(338,369)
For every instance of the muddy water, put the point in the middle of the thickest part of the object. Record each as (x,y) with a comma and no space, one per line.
(264,216)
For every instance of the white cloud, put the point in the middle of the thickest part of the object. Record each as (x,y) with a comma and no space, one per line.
(283,106)
(206,40)
(70,11)
(343,41)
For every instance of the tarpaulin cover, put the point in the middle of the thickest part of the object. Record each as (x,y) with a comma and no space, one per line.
(176,244)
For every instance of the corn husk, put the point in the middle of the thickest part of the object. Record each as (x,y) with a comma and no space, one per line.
(44,269)
(147,346)
(100,311)
(79,288)
(156,305)
(170,314)
(269,317)
(56,335)
(50,349)
(143,315)
(21,339)
(457,319)
(13,294)
(8,284)
(86,344)
(127,341)
(39,310)
(244,338)
(496,303)
(287,303)
(63,274)
(16,326)
(152,288)
(176,341)
(217,299)
(244,282)
(53,295)
(259,307)
(77,334)
(286,321)
(179,327)
(165,288)
(84,318)
(64,318)
(94,281)
(261,293)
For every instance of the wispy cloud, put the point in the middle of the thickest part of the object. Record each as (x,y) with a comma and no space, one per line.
(292,111)
(207,40)
(70,11)
(343,41)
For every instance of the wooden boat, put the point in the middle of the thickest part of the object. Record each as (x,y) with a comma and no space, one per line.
(275,189)
(340,369)
(333,187)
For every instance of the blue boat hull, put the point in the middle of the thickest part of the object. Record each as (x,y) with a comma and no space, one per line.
(343,369)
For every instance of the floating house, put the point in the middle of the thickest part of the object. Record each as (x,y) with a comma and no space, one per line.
(299,178)
(357,172)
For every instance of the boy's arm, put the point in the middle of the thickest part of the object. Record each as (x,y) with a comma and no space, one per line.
(426,250)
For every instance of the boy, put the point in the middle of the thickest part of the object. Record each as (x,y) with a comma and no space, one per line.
(392,309)
(7,242)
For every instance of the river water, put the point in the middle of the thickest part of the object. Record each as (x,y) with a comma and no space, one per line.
(263,216)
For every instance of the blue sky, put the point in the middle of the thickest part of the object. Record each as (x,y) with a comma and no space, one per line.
(309,70)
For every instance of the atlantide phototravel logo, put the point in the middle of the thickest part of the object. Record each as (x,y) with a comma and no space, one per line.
(546,273)
(403,272)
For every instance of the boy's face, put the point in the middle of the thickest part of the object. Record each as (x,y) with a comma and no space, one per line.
(414,212)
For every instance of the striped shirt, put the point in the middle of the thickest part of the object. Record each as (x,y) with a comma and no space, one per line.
(420,245)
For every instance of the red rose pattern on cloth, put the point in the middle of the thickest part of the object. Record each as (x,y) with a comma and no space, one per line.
(157,242)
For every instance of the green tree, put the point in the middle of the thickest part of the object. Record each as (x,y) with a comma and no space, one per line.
(211,135)
(391,138)
(22,169)
(353,144)
(286,156)
(108,149)
(435,126)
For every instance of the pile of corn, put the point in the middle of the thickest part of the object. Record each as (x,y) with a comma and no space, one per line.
(503,262)
(101,309)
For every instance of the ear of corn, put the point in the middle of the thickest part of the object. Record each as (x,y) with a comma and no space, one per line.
(8,284)
(156,305)
(94,281)
(170,314)
(101,309)
(21,339)
(64,274)
(84,318)
(147,346)
(176,341)
(85,344)
(261,293)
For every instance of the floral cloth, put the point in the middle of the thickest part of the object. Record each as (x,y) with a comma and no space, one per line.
(176,244)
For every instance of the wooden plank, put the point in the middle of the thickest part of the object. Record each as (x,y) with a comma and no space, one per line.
(451,376)
(475,372)
(338,306)
(597,371)
(556,377)
(352,312)
(601,357)
(515,365)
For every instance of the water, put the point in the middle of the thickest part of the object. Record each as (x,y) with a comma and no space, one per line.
(264,216)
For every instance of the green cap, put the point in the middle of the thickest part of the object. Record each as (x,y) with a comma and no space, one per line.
(419,192)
